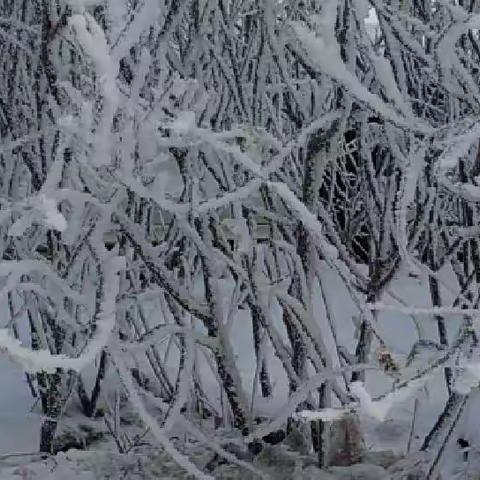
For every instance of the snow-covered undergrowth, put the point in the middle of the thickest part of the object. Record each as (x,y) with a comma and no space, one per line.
(224,224)
(395,421)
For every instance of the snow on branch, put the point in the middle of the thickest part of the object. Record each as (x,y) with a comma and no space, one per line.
(379,306)
(92,40)
(323,52)
(43,360)
(376,409)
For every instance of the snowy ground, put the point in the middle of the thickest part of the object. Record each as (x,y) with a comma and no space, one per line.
(19,429)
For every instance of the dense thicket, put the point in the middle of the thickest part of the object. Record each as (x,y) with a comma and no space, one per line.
(167,167)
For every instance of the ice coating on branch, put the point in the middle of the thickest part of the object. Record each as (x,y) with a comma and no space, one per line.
(457,146)
(306,217)
(326,414)
(94,43)
(323,52)
(366,406)
(147,15)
